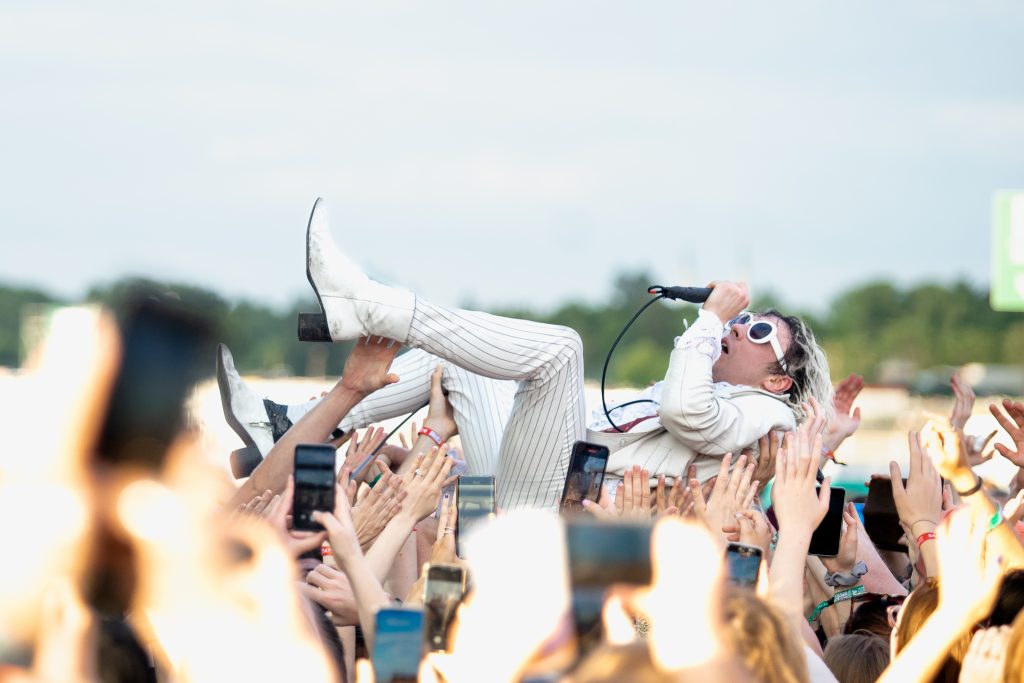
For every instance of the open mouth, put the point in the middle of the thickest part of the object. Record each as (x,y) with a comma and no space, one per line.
(725,347)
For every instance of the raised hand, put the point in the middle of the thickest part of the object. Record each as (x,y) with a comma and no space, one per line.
(986,656)
(751,528)
(919,505)
(847,557)
(733,491)
(768,450)
(366,368)
(632,499)
(440,414)
(297,542)
(331,589)
(424,482)
(372,513)
(970,576)
(359,449)
(1012,420)
(847,418)
(963,402)
(798,507)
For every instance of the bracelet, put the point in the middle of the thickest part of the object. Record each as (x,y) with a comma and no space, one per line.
(434,436)
(375,479)
(841,596)
(926,536)
(844,579)
(996,519)
(974,489)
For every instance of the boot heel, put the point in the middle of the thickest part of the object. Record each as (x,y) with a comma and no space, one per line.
(313,328)
(244,461)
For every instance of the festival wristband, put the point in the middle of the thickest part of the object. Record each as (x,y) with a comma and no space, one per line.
(926,536)
(375,479)
(996,519)
(841,596)
(974,489)
(434,436)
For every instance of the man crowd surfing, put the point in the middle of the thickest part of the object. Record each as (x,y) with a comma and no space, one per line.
(706,544)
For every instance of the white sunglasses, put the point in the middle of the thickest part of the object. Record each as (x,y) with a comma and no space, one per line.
(761,332)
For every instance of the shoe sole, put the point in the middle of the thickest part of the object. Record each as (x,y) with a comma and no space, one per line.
(225,401)
(313,327)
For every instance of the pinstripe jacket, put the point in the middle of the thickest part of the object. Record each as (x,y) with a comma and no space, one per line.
(698,419)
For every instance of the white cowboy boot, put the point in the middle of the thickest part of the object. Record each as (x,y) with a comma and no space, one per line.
(353,305)
(244,411)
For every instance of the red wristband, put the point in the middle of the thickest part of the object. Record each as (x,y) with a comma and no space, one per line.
(926,536)
(434,436)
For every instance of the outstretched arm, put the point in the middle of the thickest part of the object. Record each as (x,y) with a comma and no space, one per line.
(366,371)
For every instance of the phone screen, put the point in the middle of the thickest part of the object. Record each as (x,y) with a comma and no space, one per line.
(442,594)
(475,504)
(165,351)
(602,554)
(314,484)
(825,540)
(881,521)
(398,646)
(585,476)
(744,564)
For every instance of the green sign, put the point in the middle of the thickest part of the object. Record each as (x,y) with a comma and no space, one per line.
(1008,251)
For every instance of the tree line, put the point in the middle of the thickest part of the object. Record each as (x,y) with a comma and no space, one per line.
(869,329)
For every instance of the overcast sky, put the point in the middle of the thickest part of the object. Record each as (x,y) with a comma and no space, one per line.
(508,152)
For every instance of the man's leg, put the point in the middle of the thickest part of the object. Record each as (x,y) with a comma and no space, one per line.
(548,412)
(481,404)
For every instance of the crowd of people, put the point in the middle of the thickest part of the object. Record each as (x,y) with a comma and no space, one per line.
(728,448)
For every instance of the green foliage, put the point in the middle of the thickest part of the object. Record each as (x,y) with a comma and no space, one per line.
(13,301)
(925,325)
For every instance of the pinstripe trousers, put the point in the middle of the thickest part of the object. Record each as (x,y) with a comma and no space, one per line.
(546,362)
(481,405)
(516,388)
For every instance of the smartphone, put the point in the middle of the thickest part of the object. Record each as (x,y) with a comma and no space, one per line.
(743,563)
(165,348)
(398,646)
(314,484)
(825,540)
(881,521)
(585,476)
(442,593)
(475,497)
(600,555)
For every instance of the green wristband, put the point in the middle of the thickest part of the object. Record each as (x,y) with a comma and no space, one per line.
(996,519)
(841,596)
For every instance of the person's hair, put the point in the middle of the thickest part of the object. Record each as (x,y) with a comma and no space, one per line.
(859,657)
(806,365)
(870,616)
(1010,600)
(611,663)
(915,612)
(761,638)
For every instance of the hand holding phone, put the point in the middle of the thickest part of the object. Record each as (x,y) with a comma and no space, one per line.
(442,593)
(585,476)
(314,484)
(744,564)
(600,555)
(398,647)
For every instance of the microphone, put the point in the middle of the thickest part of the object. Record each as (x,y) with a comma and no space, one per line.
(695,295)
